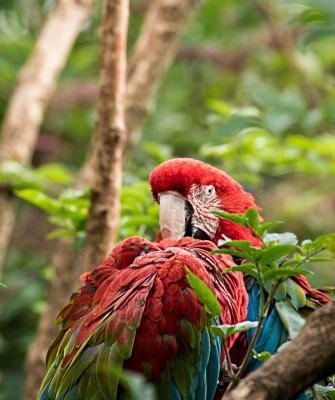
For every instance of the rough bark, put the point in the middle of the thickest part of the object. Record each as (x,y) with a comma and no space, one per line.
(309,358)
(34,89)
(110,135)
(68,262)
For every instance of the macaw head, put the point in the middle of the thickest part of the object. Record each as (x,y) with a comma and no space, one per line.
(188,191)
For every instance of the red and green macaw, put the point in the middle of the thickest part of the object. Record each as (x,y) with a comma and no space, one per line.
(187,191)
(137,312)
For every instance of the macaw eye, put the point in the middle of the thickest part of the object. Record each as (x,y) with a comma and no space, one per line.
(209,191)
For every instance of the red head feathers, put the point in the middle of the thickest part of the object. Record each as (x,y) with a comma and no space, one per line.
(204,188)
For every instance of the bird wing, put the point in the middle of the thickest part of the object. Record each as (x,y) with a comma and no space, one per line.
(121,256)
(144,317)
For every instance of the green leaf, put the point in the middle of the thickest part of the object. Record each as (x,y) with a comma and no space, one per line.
(321,32)
(284,273)
(238,218)
(280,293)
(19,177)
(57,173)
(319,259)
(252,218)
(266,226)
(226,330)
(60,233)
(291,319)
(289,263)
(246,268)
(244,245)
(325,241)
(204,294)
(296,293)
(275,253)
(263,356)
(39,199)
(233,252)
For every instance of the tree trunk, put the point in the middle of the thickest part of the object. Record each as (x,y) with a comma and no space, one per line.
(309,358)
(32,94)
(110,135)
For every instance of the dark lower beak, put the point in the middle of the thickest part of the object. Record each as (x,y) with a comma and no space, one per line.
(198,233)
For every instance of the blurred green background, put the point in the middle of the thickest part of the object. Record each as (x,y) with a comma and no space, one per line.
(251,90)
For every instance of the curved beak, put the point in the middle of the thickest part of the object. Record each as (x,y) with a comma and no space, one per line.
(174,215)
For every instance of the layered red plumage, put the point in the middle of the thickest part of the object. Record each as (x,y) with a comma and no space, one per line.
(139,299)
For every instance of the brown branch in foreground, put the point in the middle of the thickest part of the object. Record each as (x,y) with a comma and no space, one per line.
(110,135)
(309,358)
(34,89)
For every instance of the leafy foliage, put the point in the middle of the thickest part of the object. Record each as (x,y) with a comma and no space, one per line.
(263,143)
(69,211)
(48,176)
(280,258)
(139,215)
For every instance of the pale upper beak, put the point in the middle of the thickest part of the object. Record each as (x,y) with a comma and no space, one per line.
(173,215)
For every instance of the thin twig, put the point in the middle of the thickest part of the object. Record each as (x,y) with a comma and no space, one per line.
(243,366)
(230,371)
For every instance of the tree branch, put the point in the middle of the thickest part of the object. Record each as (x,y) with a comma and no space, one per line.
(309,358)
(110,135)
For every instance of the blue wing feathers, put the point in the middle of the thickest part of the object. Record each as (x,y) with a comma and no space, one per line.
(213,368)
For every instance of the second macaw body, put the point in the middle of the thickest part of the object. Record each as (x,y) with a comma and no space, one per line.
(188,191)
(137,312)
